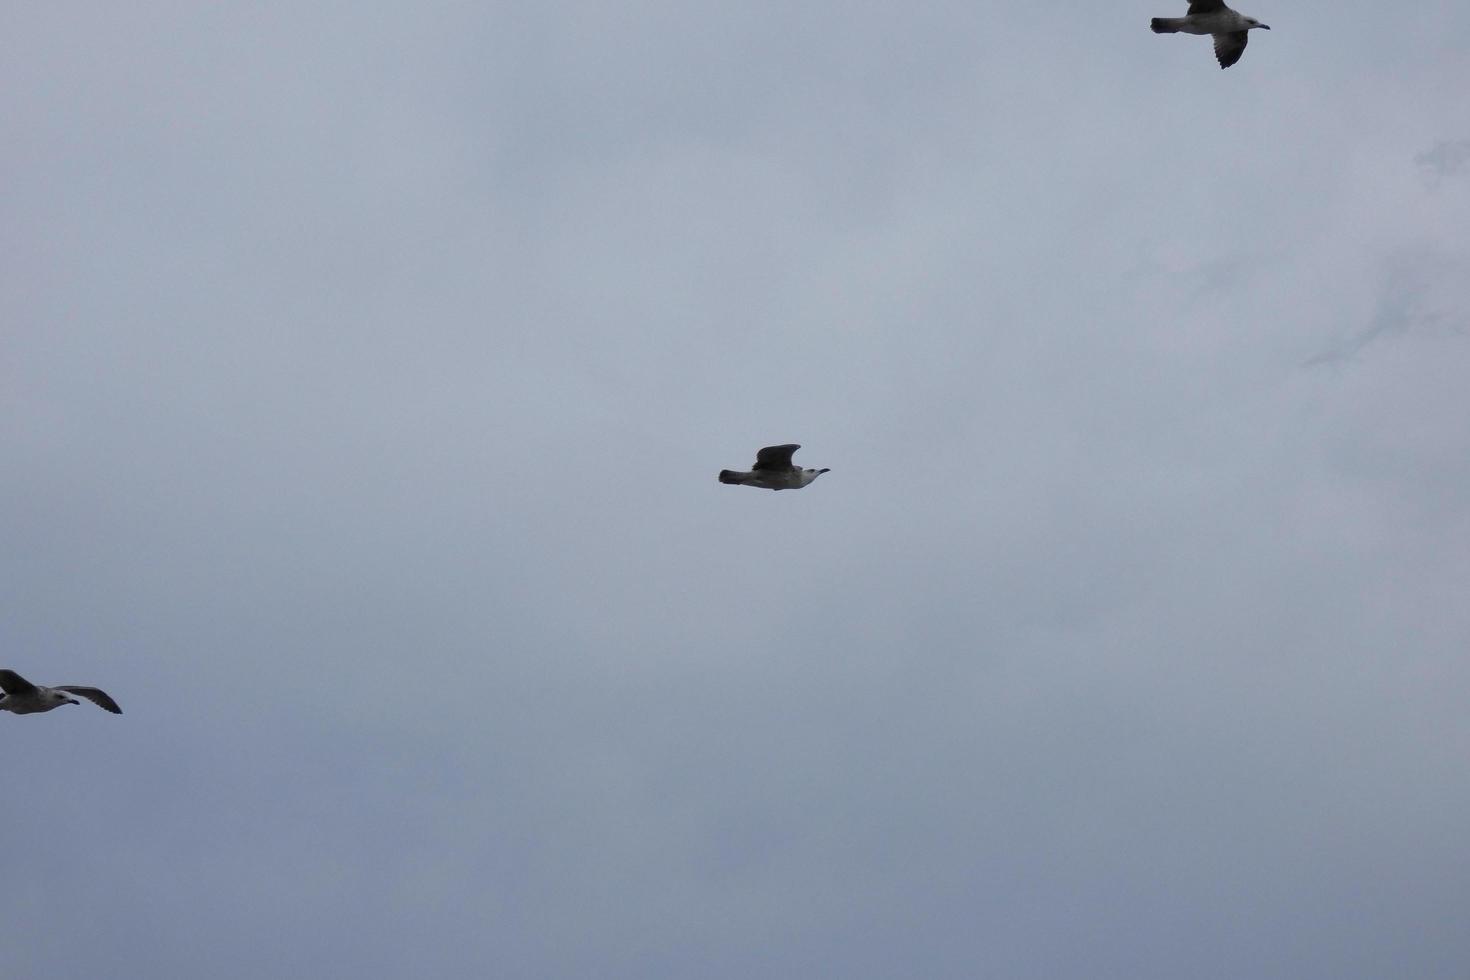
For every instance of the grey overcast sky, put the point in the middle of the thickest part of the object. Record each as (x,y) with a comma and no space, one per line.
(366,371)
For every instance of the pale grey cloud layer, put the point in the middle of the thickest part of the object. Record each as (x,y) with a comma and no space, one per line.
(367,371)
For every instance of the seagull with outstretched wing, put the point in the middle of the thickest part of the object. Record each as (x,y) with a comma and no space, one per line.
(21,697)
(773,470)
(1229,29)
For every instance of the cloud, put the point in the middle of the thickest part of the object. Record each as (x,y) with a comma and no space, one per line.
(1409,287)
(1447,158)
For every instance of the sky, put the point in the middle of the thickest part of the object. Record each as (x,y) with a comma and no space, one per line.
(365,372)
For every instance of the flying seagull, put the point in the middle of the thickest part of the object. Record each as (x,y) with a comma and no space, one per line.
(773,470)
(25,698)
(1213,17)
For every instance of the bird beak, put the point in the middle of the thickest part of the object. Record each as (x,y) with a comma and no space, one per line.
(72,701)
(1266,27)
(824,470)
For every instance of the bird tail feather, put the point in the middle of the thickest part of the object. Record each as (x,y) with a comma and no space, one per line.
(1164,25)
(730,476)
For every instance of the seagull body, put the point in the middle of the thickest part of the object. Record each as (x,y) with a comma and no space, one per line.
(1230,29)
(773,470)
(24,698)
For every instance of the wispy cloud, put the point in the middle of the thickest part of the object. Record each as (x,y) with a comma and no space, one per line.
(1406,303)
(1447,158)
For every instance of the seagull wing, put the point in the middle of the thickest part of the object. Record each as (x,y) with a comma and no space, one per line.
(96,696)
(775,457)
(1229,47)
(1205,6)
(13,683)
